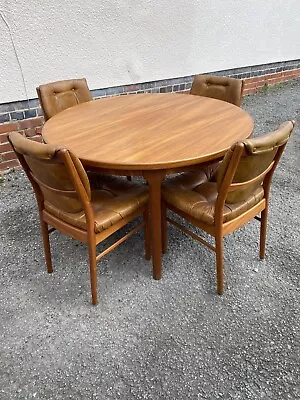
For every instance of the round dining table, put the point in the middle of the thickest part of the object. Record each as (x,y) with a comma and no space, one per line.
(149,135)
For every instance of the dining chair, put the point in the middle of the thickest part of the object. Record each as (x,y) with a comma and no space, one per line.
(218,87)
(56,96)
(89,208)
(221,202)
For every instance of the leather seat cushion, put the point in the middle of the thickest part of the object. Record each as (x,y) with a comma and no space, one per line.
(195,194)
(112,200)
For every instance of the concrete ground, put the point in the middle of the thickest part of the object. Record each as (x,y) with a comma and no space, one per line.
(168,339)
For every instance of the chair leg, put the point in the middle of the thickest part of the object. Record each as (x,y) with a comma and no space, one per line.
(263,233)
(93,270)
(164,228)
(147,235)
(47,250)
(219,261)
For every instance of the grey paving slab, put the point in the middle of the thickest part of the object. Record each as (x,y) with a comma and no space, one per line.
(169,339)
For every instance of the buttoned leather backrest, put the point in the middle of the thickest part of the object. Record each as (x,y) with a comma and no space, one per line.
(258,154)
(57,96)
(218,87)
(46,166)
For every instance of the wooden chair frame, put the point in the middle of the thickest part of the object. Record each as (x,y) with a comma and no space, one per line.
(220,229)
(87,236)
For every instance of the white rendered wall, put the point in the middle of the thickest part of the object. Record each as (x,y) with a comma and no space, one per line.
(117,42)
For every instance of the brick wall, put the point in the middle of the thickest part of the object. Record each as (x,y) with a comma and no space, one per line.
(26,116)
(31,128)
(254,84)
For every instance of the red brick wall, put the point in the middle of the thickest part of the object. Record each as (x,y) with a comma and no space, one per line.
(254,84)
(31,127)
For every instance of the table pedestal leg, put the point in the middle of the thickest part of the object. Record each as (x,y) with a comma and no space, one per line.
(154,179)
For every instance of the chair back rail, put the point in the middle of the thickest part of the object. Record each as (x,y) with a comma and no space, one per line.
(250,164)
(56,179)
(259,178)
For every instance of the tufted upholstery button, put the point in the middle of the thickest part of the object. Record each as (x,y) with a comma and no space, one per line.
(57,96)
(218,87)
(196,193)
(112,200)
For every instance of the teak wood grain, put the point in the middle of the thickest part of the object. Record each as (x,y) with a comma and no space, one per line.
(149,135)
(149,131)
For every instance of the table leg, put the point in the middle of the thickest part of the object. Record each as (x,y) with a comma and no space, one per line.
(154,180)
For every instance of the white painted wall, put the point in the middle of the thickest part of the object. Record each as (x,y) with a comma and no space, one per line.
(116,42)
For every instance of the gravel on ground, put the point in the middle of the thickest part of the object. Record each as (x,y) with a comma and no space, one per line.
(146,339)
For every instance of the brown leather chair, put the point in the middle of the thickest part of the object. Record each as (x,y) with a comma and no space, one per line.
(218,87)
(68,204)
(55,97)
(223,201)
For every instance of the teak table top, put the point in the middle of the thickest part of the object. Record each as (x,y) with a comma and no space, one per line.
(149,131)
